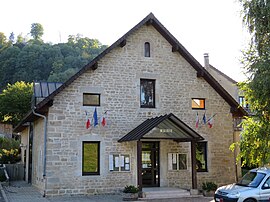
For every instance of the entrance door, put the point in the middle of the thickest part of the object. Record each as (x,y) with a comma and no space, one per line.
(150,164)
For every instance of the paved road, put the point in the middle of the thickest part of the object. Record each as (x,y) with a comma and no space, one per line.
(22,192)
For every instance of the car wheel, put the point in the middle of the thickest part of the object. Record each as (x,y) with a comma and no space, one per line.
(250,200)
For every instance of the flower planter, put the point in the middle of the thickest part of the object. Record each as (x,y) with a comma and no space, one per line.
(208,193)
(130,197)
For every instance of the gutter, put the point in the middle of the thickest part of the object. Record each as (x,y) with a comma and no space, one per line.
(45,148)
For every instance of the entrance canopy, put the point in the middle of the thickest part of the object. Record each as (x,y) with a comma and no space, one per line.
(163,127)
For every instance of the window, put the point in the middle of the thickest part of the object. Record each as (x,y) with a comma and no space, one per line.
(146,49)
(198,103)
(147,93)
(242,102)
(119,162)
(90,158)
(177,161)
(201,156)
(91,99)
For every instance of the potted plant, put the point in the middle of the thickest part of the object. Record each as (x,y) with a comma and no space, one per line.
(131,193)
(209,188)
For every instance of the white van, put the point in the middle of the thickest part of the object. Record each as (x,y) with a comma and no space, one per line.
(253,187)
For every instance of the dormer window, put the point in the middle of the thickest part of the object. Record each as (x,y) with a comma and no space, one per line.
(146,49)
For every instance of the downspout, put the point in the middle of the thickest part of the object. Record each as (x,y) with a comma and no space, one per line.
(45,149)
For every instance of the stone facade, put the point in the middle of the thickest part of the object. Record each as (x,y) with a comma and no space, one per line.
(117,79)
(5,130)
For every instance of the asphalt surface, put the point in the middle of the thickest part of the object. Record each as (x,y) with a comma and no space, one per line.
(23,192)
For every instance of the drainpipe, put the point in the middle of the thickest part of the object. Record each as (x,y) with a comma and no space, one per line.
(45,149)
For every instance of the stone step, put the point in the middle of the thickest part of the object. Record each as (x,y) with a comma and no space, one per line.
(165,193)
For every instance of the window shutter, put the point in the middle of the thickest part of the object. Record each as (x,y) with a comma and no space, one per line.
(170,156)
(110,162)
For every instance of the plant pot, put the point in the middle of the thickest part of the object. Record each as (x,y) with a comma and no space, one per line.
(208,193)
(130,197)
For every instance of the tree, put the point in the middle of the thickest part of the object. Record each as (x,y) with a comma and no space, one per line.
(3,42)
(8,63)
(255,138)
(9,152)
(12,37)
(37,31)
(15,102)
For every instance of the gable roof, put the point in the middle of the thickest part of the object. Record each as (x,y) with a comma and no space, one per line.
(223,74)
(176,46)
(179,130)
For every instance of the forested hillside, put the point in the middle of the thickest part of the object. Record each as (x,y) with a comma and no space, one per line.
(34,60)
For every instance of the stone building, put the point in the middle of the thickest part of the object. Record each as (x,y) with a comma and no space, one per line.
(154,96)
(5,130)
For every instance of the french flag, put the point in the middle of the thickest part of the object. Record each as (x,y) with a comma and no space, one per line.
(210,122)
(197,120)
(88,123)
(95,118)
(103,119)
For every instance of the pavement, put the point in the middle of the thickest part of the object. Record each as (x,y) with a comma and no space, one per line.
(20,191)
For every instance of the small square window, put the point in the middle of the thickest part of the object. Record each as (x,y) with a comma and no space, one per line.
(147,87)
(177,161)
(198,103)
(91,99)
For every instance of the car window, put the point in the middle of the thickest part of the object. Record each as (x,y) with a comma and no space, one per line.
(266,185)
(251,179)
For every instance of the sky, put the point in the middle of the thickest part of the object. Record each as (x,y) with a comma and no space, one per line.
(201,26)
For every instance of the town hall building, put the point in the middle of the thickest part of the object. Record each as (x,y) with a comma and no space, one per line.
(144,112)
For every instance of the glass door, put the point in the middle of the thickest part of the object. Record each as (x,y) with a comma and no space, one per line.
(150,164)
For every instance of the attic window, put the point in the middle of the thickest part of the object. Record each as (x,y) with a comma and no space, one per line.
(198,103)
(146,49)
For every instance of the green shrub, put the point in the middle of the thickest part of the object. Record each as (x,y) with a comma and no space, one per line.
(209,186)
(131,189)
(10,150)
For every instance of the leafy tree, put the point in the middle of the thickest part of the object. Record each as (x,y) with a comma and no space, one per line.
(3,39)
(12,37)
(3,42)
(9,152)
(8,62)
(255,139)
(33,60)
(15,102)
(37,31)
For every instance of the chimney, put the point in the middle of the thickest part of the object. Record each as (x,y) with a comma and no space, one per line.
(206,60)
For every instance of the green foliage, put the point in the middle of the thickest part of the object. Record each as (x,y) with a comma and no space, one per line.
(15,102)
(33,60)
(255,138)
(131,189)
(209,186)
(37,31)
(9,152)
(256,14)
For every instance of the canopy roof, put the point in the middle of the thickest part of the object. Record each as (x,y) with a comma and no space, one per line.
(163,127)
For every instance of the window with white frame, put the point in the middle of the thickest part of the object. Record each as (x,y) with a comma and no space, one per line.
(119,162)
(177,161)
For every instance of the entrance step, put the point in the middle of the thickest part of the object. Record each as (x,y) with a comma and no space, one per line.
(164,192)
